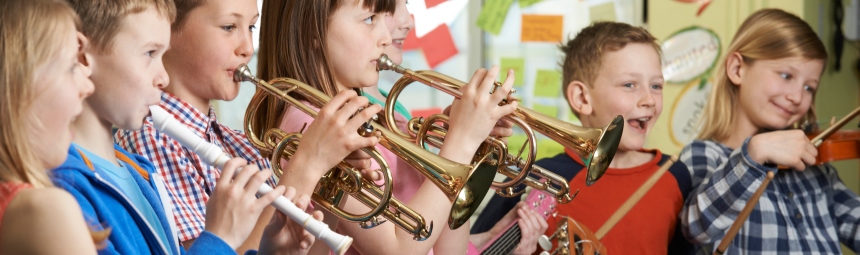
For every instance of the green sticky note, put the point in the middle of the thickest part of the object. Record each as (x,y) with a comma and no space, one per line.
(545,147)
(493,15)
(527,3)
(547,83)
(550,110)
(519,66)
(602,12)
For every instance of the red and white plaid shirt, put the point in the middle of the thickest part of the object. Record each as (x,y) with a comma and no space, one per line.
(189,180)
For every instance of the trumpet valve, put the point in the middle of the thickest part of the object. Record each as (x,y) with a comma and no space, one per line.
(373,222)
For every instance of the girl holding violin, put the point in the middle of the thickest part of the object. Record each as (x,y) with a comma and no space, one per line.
(767,82)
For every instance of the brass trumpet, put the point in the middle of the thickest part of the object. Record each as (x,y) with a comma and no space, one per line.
(464,185)
(595,146)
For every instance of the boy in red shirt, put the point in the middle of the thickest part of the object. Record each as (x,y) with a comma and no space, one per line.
(613,69)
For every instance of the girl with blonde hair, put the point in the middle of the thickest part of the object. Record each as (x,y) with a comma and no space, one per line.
(42,89)
(766,85)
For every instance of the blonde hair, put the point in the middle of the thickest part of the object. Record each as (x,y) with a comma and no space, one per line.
(765,35)
(583,55)
(31,34)
(102,19)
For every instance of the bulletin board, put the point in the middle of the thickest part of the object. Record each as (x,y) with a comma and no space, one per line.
(525,36)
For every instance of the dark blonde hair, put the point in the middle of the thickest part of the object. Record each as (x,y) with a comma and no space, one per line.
(102,19)
(293,45)
(765,35)
(583,55)
(31,34)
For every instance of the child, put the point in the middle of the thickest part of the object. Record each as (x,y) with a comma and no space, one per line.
(335,49)
(767,82)
(121,190)
(531,224)
(209,40)
(612,69)
(42,88)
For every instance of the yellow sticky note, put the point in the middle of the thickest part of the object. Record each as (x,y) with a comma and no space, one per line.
(493,15)
(518,64)
(542,28)
(547,83)
(602,12)
(550,110)
(527,3)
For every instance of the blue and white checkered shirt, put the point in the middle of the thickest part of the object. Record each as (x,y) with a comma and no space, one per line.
(801,212)
(188,179)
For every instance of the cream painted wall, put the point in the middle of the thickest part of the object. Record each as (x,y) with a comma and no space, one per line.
(837,95)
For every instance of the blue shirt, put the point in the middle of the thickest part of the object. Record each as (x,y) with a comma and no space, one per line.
(121,177)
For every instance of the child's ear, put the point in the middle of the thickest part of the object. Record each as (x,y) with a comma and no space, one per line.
(84,55)
(579,97)
(734,67)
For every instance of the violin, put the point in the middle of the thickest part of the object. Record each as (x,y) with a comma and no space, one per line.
(832,145)
(842,145)
(571,238)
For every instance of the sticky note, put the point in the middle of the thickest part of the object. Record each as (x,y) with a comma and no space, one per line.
(438,46)
(542,28)
(547,83)
(493,15)
(527,3)
(602,12)
(545,147)
(518,64)
(550,110)
(432,3)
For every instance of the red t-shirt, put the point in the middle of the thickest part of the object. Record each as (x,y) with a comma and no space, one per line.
(647,228)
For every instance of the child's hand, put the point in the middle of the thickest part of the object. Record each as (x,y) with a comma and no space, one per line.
(364,163)
(787,148)
(233,208)
(474,115)
(334,133)
(532,226)
(502,130)
(284,236)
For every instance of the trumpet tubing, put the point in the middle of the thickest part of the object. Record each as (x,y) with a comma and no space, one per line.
(464,186)
(595,146)
(214,156)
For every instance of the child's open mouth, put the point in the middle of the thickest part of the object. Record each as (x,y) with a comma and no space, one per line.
(639,123)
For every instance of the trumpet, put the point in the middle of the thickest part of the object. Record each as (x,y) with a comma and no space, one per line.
(214,156)
(464,185)
(596,146)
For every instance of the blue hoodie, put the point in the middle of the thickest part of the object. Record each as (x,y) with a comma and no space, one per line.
(103,203)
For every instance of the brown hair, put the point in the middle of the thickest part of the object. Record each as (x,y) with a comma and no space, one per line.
(583,55)
(766,34)
(183,7)
(103,18)
(292,44)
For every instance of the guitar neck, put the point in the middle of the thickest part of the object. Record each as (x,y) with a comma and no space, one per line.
(506,242)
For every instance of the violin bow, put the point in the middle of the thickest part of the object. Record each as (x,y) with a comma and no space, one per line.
(634,199)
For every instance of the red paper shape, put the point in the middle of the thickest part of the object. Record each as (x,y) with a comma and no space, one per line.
(411,42)
(438,45)
(702,4)
(431,3)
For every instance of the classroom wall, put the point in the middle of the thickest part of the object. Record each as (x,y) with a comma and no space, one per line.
(837,95)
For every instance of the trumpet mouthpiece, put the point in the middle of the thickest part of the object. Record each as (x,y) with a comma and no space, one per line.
(242,73)
(385,63)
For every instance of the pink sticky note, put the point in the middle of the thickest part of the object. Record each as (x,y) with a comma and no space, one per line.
(438,46)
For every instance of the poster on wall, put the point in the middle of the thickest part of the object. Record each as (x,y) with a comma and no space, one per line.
(690,54)
(689,57)
(686,110)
